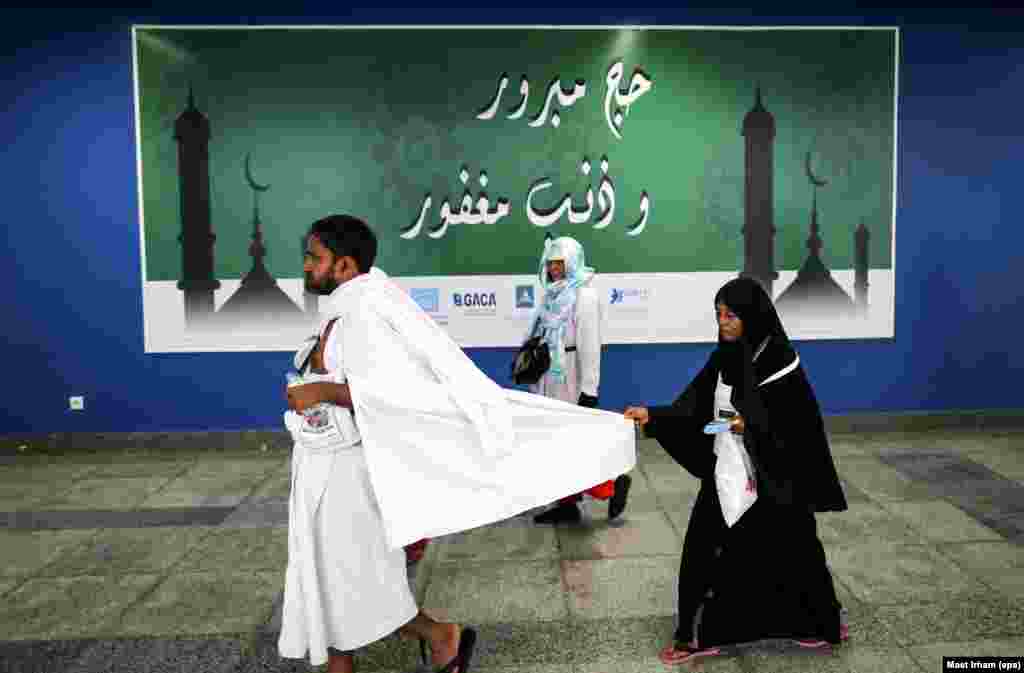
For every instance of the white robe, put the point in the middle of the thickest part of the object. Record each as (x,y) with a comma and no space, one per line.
(582,366)
(446,447)
(344,586)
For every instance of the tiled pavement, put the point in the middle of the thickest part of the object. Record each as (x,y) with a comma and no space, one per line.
(173,560)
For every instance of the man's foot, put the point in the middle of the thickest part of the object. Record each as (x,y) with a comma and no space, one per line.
(339,662)
(561,513)
(460,663)
(443,647)
(617,503)
(454,652)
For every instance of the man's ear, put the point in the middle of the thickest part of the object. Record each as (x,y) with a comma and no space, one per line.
(346,267)
(338,267)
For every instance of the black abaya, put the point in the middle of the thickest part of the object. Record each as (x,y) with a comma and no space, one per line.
(767,574)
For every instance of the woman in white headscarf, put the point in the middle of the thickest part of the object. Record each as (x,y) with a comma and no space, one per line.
(569,319)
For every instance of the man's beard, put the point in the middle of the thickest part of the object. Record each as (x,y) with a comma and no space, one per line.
(325,287)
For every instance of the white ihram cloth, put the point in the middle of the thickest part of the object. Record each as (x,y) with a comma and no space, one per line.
(344,586)
(446,447)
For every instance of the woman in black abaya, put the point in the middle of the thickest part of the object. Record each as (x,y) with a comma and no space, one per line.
(766,576)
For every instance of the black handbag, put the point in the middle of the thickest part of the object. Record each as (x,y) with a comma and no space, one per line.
(532,361)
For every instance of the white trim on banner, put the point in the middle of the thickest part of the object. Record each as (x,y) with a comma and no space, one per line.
(494,311)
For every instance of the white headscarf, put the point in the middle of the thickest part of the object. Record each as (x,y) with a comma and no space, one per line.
(559,300)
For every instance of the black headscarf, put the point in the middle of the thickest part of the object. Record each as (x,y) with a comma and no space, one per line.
(784,432)
(747,299)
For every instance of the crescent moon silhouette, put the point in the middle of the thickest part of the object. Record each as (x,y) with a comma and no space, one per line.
(816,181)
(252,182)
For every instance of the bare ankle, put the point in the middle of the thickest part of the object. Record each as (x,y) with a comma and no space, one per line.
(340,663)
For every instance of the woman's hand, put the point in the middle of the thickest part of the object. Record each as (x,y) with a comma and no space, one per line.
(638,414)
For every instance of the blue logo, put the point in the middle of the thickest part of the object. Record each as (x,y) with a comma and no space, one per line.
(629,295)
(475,299)
(524,296)
(428,298)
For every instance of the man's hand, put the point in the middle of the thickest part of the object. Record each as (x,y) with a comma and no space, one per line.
(308,395)
(638,414)
(737,425)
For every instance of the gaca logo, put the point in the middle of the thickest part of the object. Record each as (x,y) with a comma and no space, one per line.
(474,299)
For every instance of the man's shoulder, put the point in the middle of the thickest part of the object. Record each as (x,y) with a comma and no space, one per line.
(355,308)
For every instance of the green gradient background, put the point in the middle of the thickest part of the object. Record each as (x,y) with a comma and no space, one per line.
(368,121)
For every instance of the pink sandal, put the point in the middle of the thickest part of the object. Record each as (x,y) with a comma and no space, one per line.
(815,643)
(677,653)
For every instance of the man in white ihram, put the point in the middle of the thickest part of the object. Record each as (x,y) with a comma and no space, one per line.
(398,438)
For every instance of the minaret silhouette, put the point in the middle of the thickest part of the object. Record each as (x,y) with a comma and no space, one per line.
(814,239)
(860,265)
(192,133)
(814,291)
(759,194)
(258,274)
(259,298)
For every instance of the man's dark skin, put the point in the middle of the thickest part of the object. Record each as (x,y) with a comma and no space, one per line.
(324,272)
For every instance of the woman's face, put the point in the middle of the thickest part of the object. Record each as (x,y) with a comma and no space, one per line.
(556,270)
(730,327)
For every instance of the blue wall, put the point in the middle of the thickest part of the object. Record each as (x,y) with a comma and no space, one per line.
(71,271)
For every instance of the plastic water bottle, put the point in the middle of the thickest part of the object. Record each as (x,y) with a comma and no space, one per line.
(317,416)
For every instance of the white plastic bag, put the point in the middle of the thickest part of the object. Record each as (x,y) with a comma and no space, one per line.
(734,477)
